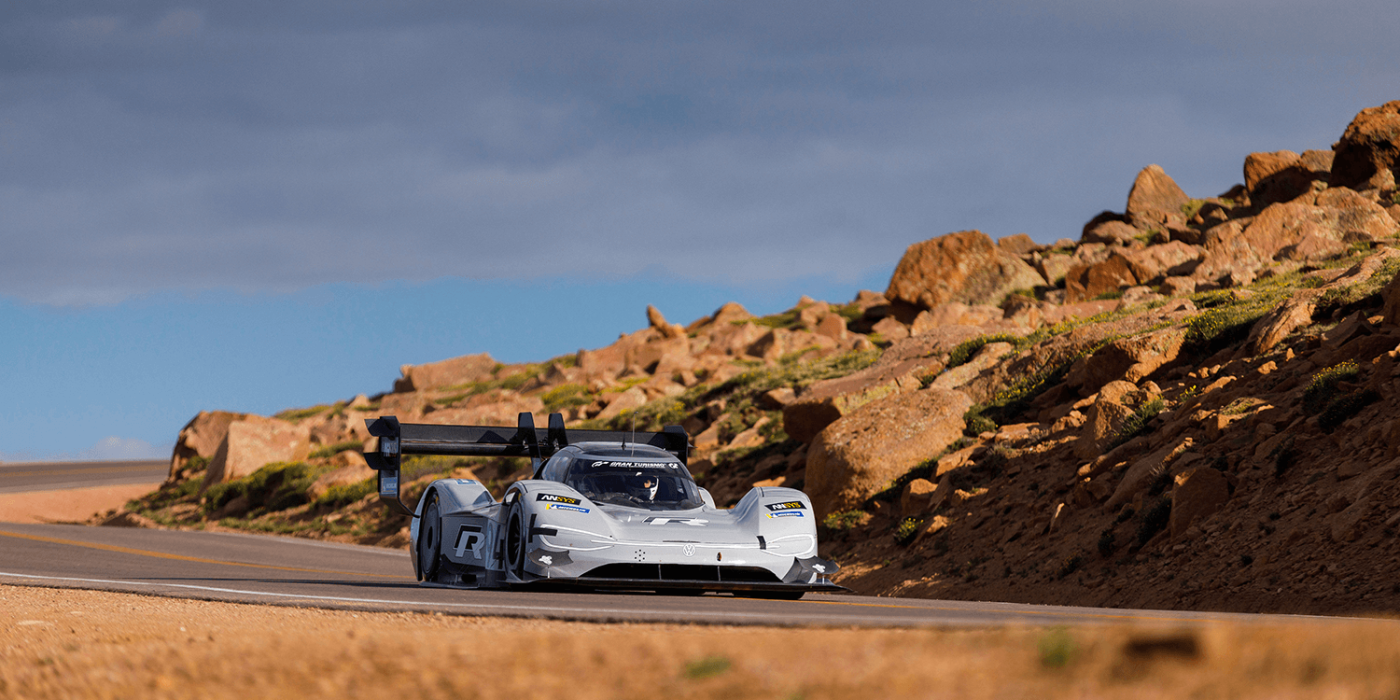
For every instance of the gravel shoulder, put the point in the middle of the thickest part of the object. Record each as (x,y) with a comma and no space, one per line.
(73,643)
(68,505)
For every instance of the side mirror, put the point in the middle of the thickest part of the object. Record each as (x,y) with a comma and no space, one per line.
(707,498)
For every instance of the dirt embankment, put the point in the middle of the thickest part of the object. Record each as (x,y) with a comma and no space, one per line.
(65,643)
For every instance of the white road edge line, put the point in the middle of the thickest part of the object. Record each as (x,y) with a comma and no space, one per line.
(538,608)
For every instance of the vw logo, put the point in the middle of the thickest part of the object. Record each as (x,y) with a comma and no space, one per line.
(689,550)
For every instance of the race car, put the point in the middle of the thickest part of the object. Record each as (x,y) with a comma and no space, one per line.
(604,510)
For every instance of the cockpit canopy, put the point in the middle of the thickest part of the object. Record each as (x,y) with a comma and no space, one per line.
(649,479)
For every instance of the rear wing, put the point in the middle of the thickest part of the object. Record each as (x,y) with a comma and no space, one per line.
(525,440)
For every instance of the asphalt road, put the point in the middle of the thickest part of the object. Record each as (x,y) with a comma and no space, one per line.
(287,571)
(49,476)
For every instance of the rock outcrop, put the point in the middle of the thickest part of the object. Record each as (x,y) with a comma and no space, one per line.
(961,267)
(858,455)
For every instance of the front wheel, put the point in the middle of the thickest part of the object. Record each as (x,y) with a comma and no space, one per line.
(515,544)
(429,539)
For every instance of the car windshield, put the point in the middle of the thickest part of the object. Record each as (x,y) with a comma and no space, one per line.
(622,482)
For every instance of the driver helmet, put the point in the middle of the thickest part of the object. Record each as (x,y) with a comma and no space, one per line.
(643,486)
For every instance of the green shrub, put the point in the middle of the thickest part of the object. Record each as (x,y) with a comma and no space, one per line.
(845,520)
(1323,387)
(1107,543)
(1154,520)
(1344,407)
(907,530)
(1069,566)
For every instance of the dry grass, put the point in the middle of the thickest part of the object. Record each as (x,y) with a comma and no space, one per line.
(62,643)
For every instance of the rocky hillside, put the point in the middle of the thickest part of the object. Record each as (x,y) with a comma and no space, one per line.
(1191,405)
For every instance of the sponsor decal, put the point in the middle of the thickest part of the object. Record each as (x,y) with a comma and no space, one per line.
(693,522)
(388,485)
(787,505)
(607,464)
(565,506)
(464,482)
(786,514)
(553,498)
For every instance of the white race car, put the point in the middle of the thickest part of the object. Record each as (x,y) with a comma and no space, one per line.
(605,510)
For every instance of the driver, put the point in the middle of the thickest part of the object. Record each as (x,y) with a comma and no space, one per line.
(643,487)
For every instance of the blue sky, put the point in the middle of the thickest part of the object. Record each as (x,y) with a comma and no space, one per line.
(259,205)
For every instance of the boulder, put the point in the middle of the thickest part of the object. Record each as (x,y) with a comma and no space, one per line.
(201,437)
(1129,359)
(723,316)
(858,455)
(1087,282)
(917,497)
(1366,154)
(1054,268)
(1019,244)
(658,322)
(832,326)
(254,442)
(1112,233)
(959,376)
(436,375)
(1279,229)
(1103,419)
(1154,191)
(1142,472)
(1280,176)
(1198,494)
(959,267)
(628,400)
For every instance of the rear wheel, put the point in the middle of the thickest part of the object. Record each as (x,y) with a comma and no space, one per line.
(429,539)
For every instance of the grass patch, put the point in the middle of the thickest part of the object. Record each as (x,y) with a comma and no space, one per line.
(1140,422)
(707,667)
(294,415)
(967,349)
(1354,297)
(1192,207)
(1056,648)
(276,486)
(565,396)
(344,494)
(337,448)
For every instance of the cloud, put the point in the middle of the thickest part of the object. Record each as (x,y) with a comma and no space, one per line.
(268,147)
(120,448)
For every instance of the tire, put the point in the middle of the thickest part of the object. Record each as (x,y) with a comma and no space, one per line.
(515,543)
(429,544)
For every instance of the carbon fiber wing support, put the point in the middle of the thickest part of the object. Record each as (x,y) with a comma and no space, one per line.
(525,440)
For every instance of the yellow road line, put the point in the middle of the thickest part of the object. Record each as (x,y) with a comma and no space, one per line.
(179,557)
